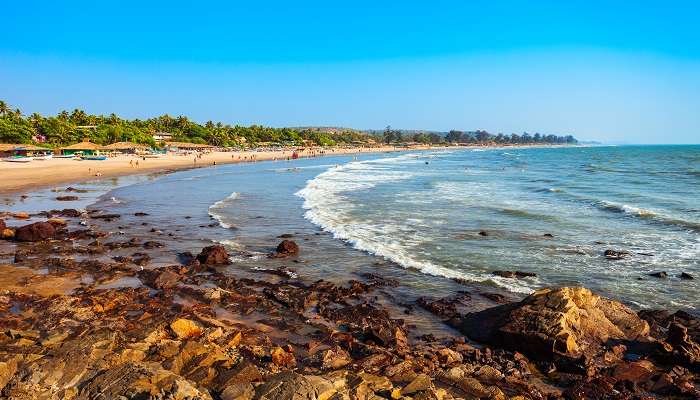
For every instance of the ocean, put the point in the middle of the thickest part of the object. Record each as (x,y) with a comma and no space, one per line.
(443,221)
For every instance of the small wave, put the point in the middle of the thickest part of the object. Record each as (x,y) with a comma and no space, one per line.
(627,209)
(648,214)
(328,208)
(116,200)
(220,205)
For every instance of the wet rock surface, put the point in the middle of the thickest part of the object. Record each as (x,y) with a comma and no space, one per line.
(35,232)
(85,313)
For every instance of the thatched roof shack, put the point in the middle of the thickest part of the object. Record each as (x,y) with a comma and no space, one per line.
(85,147)
(175,146)
(125,147)
(11,149)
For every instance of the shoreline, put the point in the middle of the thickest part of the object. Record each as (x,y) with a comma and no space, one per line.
(19,177)
(44,174)
(199,326)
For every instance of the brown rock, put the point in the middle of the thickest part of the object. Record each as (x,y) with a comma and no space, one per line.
(283,358)
(637,371)
(160,278)
(8,233)
(420,383)
(448,357)
(185,328)
(2,225)
(565,321)
(20,215)
(214,255)
(287,386)
(287,248)
(57,222)
(238,391)
(35,232)
(336,358)
(685,350)
(67,198)
(514,274)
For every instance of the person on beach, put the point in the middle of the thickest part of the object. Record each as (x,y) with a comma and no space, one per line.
(137,163)
(131,163)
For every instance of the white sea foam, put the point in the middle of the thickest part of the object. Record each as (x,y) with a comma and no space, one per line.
(328,207)
(215,210)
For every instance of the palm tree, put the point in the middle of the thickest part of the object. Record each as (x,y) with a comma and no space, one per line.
(4,108)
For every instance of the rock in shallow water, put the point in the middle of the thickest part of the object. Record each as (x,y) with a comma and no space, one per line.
(287,248)
(35,232)
(214,255)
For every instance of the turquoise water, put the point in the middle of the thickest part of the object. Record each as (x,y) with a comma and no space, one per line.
(425,211)
(417,217)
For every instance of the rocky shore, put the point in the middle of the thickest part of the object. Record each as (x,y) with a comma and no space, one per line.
(86,315)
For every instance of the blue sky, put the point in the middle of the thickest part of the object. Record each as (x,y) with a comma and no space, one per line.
(609,71)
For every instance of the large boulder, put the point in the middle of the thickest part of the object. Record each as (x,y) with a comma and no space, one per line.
(565,321)
(214,255)
(35,232)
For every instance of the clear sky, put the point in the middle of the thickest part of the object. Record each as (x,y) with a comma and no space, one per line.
(626,71)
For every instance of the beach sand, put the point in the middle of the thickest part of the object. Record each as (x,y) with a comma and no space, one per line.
(15,177)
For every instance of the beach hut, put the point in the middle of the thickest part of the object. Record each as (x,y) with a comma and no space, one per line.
(86,147)
(162,136)
(22,150)
(30,150)
(7,149)
(183,146)
(126,147)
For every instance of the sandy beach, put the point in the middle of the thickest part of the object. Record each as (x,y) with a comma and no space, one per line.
(20,176)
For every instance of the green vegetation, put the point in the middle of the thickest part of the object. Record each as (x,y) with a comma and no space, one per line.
(68,128)
(478,137)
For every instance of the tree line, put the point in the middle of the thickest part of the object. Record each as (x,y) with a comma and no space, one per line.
(71,127)
(473,137)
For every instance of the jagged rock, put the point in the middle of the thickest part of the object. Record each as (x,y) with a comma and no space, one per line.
(35,232)
(685,350)
(565,321)
(287,248)
(420,383)
(283,358)
(292,386)
(448,357)
(636,371)
(238,391)
(214,255)
(335,358)
(185,328)
(660,274)
(160,278)
(686,276)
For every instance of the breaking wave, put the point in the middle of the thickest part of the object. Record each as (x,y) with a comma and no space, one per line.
(216,208)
